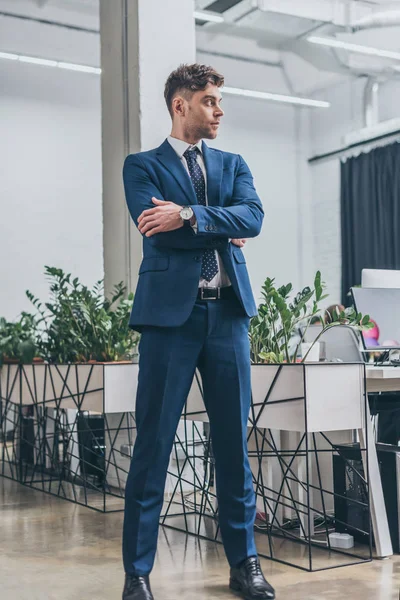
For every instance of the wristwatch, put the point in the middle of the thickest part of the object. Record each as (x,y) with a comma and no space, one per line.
(186,213)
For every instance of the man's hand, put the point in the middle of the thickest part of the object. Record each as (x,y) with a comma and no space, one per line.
(164,217)
(239,243)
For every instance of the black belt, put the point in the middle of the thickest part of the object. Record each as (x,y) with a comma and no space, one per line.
(214,293)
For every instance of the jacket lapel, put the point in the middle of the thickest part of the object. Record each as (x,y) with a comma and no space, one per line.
(214,169)
(171,161)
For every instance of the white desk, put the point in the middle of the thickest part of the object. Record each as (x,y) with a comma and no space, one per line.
(383,378)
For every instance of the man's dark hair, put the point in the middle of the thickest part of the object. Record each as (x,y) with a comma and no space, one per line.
(190,78)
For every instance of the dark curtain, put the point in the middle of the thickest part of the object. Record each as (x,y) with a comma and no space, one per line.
(370,214)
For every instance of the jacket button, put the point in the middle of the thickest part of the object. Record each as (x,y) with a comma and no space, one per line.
(197,258)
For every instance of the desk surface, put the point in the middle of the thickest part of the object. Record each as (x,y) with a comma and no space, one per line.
(383,378)
(383,372)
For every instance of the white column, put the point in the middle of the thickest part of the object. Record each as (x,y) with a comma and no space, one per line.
(142,41)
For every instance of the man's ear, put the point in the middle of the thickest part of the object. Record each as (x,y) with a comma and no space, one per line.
(178,106)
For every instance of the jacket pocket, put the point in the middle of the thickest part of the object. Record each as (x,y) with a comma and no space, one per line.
(239,256)
(154,263)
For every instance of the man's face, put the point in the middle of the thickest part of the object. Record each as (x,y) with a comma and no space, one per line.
(202,113)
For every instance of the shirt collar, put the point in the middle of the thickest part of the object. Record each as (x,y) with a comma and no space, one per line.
(181,146)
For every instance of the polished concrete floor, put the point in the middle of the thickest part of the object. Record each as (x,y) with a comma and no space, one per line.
(53,549)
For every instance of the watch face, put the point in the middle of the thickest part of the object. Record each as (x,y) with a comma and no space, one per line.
(186,212)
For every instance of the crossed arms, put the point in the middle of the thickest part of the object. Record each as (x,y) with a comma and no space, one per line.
(159,220)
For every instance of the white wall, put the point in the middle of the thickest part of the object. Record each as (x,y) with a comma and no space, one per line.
(264,135)
(50,187)
(50,154)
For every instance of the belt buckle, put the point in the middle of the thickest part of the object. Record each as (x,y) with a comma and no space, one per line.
(216,297)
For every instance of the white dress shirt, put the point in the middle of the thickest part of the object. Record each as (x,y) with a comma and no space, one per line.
(221,279)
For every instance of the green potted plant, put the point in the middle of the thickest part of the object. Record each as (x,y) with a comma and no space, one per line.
(88,350)
(80,325)
(273,331)
(19,341)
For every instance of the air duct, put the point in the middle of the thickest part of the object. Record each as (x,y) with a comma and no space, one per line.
(373,131)
(377,20)
(371,103)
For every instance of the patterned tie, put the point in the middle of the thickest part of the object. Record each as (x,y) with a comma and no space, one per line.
(209,265)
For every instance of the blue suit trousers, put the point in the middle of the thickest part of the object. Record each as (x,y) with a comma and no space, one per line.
(214,339)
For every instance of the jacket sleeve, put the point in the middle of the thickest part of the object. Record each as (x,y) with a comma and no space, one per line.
(242,218)
(139,190)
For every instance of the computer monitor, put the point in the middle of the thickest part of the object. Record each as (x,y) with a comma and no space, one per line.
(340,342)
(380,278)
(383,306)
(311,333)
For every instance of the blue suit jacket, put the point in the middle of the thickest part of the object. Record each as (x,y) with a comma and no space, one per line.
(170,270)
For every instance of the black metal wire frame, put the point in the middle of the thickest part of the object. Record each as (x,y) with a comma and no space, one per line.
(192,506)
(78,460)
(81,461)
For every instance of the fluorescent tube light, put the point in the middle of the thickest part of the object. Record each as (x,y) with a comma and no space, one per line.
(296,100)
(50,63)
(82,68)
(332,43)
(9,56)
(203,15)
(37,61)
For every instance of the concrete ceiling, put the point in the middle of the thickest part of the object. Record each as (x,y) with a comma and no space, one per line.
(269,32)
(284,25)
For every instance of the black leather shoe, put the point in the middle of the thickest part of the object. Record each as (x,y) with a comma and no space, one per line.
(249,582)
(137,588)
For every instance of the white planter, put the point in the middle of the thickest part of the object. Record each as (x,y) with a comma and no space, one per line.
(300,397)
(328,395)
(107,389)
(102,388)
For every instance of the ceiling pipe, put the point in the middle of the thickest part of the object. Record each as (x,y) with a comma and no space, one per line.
(371,102)
(377,20)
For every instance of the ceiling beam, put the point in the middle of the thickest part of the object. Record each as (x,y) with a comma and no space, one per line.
(338,12)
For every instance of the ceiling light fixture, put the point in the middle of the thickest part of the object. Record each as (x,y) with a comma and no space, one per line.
(50,63)
(81,68)
(332,43)
(37,61)
(281,98)
(202,15)
(8,56)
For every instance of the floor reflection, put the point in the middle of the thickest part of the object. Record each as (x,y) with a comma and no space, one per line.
(52,549)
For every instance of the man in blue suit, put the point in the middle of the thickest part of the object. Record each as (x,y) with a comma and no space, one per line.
(195,207)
